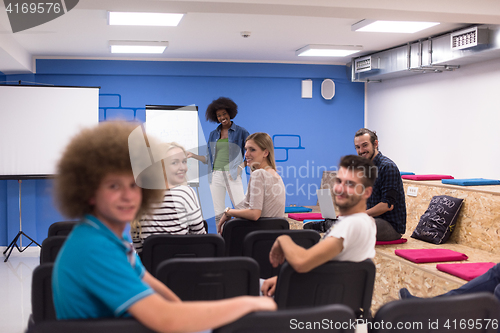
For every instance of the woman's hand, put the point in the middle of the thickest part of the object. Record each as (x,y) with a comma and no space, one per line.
(241,167)
(221,223)
(196,157)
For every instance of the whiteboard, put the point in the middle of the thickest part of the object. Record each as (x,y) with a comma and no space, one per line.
(37,123)
(179,124)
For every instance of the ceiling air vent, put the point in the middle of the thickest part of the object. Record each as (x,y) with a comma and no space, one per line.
(469,38)
(365,64)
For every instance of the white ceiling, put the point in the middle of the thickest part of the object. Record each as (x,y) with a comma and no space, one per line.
(210,30)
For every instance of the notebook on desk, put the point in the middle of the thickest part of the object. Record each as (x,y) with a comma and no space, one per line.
(326,205)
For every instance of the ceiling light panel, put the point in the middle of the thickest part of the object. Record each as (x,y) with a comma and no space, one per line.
(391,26)
(137,47)
(327,50)
(145,19)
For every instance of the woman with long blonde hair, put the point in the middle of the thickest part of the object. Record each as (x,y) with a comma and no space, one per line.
(179,213)
(266,193)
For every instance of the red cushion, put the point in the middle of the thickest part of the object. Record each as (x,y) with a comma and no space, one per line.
(426,177)
(430,255)
(305,216)
(397,241)
(466,271)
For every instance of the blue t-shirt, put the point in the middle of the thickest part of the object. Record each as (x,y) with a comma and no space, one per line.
(96,274)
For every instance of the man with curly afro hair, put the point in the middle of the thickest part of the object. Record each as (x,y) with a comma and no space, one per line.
(97,274)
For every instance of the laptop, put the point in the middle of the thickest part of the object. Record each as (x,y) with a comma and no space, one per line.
(326,205)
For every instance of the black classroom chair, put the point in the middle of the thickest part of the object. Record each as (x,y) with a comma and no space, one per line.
(50,248)
(461,313)
(210,278)
(62,228)
(235,230)
(257,245)
(108,325)
(344,282)
(42,305)
(158,248)
(335,318)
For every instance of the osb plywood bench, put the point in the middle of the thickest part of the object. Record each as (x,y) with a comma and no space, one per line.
(477,234)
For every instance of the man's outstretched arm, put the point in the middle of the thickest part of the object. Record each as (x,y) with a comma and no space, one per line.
(304,260)
(163,316)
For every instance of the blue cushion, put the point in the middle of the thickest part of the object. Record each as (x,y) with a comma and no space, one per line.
(305,221)
(402,173)
(471,181)
(297,209)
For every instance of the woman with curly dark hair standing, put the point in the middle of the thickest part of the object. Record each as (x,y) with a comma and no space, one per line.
(225,155)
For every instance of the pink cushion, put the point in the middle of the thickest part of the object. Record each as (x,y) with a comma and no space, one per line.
(305,216)
(426,177)
(466,271)
(430,255)
(397,241)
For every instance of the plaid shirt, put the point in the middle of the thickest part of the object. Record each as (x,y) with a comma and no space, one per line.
(388,188)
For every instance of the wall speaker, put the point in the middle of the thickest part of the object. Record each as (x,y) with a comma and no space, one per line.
(328,89)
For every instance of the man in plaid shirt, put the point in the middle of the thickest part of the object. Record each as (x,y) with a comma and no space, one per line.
(387,202)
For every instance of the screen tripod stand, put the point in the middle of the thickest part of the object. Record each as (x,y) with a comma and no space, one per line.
(19,234)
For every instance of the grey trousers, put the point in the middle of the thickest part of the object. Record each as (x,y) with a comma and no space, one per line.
(385,230)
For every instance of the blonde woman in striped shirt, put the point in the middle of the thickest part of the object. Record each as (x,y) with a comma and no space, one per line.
(180,211)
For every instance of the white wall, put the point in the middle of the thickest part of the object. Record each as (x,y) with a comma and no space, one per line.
(446,123)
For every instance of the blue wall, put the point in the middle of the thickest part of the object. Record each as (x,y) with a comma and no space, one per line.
(268,98)
(3,212)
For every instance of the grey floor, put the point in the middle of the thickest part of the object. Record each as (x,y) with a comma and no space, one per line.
(15,289)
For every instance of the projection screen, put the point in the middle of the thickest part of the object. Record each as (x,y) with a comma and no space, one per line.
(37,123)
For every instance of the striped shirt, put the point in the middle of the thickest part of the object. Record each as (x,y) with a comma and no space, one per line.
(178,214)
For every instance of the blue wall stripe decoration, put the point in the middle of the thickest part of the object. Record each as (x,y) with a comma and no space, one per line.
(111,104)
(310,134)
(285,143)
